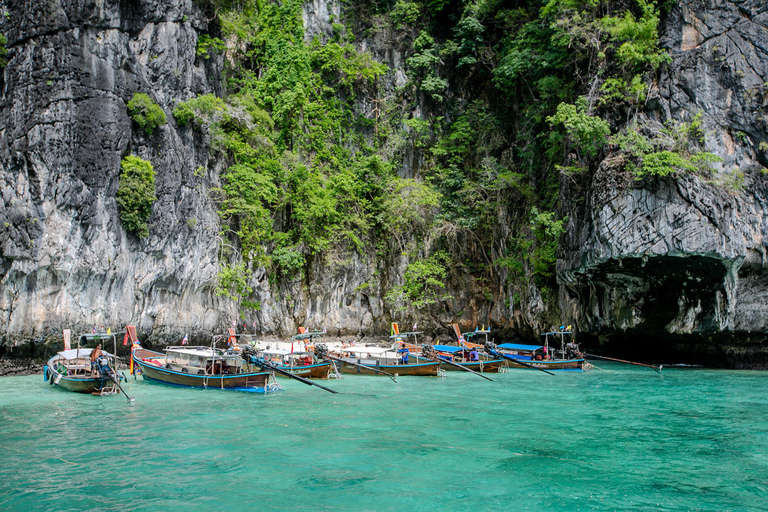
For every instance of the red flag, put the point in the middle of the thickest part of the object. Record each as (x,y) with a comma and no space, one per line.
(125,340)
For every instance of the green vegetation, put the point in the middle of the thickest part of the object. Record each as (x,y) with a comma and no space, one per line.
(423,283)
(136,194)
(652,150)
(500,100)
(3,51)
(207,44)
(145,112)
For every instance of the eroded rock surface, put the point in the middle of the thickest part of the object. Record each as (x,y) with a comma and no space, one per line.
(683,261)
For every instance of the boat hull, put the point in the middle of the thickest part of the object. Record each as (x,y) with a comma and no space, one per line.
(75,384)
(563,364)
(492,366)
(254,381)
(423,369)
(80,385)
(312,371)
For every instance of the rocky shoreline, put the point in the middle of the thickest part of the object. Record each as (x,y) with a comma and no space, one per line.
(20,366)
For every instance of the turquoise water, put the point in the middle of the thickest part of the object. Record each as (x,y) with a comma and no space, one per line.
(621,439)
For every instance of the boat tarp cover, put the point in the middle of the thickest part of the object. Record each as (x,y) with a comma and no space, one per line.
(515,346)
(307,335)
(448,348)
(366,350)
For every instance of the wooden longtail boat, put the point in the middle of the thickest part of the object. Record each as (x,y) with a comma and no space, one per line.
(201,367)
(299,363)
(557,364)
(384,359)
(71,369)
(460,356)
(542,356)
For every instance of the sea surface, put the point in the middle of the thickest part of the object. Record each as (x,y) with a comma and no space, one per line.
(620,438)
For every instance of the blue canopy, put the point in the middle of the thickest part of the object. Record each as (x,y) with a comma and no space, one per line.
(515,346)
(448,348)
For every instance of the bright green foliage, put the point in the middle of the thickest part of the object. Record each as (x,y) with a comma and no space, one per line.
(3,51)
(546,230)
(660,151)
(636,41)
(145,112)
(404,13)
(316,147)
(423,64)
(233,283)
(587,131)
(136,194)
(615,90)
(423,284)
(207,44)
(206,109)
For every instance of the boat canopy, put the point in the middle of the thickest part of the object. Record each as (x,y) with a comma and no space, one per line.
(307,335)
(83,352)
(366,350)
(405,334)
(475,333)
(200,352)
(516,346)
(448,348)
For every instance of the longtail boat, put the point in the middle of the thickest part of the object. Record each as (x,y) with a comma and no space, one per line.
(366,360)
(541,357)
(202,367)
(300,363)
(462,356)
(73,370)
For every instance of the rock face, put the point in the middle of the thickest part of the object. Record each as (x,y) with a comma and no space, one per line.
(679,261)
(683,261)
(65,261)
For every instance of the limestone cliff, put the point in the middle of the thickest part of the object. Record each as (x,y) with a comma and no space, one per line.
(66,262)
(679,260)
(683,260)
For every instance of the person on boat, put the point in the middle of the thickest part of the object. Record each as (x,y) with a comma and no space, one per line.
(474,356)
(404,352)
(95,355)
(307,360)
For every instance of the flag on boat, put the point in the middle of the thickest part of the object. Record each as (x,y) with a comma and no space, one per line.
(414,326)
(254,324)
(234,324)
(109,331)
(569,328)
(125,339)
(94,330)
(185,340)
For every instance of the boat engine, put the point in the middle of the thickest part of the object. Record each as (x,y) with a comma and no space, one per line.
(321,351)
(104,369)
(491,347)
(428,351)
